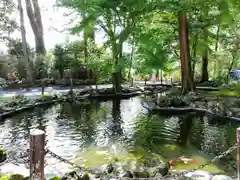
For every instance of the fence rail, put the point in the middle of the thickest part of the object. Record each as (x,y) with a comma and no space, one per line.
(38,152)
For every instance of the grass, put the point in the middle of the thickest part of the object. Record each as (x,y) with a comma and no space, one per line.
(234,93)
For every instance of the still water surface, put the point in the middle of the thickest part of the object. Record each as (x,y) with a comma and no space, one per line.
(96,133)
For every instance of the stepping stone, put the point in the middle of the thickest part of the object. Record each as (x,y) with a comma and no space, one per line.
(221,177)
(199,175)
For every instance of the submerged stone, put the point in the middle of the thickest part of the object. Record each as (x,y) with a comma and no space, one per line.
(143,174)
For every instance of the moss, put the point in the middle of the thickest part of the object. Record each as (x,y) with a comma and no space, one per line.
(3,155)
(55,178)
(16,177)
(4,177)
(234,93)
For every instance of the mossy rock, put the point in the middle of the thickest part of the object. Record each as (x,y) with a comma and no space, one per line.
(16,177)
(3,155)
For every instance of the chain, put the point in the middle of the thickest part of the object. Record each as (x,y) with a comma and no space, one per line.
(209,162)
(67,161)
(154,178)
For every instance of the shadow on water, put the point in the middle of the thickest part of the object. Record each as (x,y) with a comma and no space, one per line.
(96,133)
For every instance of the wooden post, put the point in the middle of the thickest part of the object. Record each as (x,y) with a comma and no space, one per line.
(238,153)
(37,152)
(43,84)
(171,82)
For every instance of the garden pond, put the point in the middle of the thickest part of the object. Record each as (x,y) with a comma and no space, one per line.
(93,133)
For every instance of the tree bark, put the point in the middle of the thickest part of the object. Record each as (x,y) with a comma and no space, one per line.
(24,43)
(131,61)
(205,60)
(35,19)
(194,54)
(187,80)
(117,74)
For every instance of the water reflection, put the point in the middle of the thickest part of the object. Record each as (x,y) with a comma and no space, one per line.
(79,131)
(185,124)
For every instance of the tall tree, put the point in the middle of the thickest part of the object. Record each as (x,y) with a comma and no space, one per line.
(187,80)
(117,19)
(35,19)
(24,43)
(7,25)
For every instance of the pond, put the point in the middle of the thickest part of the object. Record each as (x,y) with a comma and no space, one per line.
(95,133)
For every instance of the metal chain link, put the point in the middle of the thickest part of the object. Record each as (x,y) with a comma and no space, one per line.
(209,162)
(67,161)
(153,178)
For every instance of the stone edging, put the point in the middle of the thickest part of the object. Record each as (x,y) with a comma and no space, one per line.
(48,102)
(27,107)
(184,110)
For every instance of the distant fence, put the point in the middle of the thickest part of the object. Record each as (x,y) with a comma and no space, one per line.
(38,152)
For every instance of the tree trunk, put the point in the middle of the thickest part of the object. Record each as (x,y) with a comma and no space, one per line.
(35,20)
(216,49)
(24,43)
(194,54)
(131,61)
(117,74)
(205,59)
(187,80)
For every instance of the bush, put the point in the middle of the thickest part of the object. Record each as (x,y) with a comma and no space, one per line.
(16,177)
(44,98)
(16,101)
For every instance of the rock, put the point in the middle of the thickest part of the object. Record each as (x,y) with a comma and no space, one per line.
(221,177)
(7,109)
(149,161)
(71,176)
(199,175)
(3,155)
(85,176)
(16,177)
(109,168)
(143,174)
(126,174)
(163,168)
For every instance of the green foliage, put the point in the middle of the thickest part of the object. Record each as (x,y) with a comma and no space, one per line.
(44,98)
(16,177)
(16,101)
(55,178)
(7,24)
